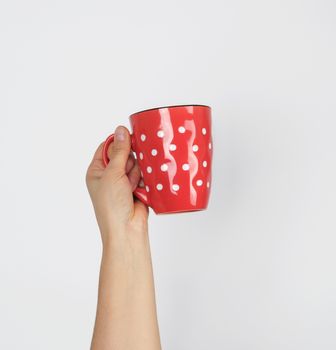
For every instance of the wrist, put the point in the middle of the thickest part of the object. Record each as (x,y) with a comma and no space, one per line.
(126,245)
(129,266)
(119,234)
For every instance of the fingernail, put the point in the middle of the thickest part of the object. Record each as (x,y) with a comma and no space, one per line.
(120,133)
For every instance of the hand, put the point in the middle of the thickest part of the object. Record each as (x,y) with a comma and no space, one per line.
(111,189)
(126,310)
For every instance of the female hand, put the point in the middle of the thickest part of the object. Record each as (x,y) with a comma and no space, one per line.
(126,312)
(111,188)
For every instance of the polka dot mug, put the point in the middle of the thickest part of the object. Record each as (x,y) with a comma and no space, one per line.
(173,147)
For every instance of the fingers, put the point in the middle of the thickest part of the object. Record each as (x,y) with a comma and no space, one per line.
(97,158)
(130,163)
(134,177)
(141,211)
(96,166)
(119,151)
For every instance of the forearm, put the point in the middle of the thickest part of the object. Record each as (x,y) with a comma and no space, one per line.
(126,311)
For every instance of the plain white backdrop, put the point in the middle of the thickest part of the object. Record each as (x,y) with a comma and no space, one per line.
(257,270)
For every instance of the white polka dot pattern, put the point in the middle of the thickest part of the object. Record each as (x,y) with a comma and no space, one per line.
(175,187)
(175,159)
(160,133)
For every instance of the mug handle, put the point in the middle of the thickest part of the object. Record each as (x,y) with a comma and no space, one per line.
(139,192)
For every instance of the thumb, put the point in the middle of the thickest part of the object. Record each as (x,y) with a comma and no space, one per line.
(119,150)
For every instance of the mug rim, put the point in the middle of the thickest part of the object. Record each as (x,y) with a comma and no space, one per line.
(170,106)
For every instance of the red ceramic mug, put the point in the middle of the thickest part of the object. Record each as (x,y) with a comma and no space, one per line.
(173,147)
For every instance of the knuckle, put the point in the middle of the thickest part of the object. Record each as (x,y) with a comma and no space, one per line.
(88,176)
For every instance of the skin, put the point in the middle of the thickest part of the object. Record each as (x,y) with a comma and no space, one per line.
(126,317)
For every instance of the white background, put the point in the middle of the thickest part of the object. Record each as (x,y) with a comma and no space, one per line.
(254,271)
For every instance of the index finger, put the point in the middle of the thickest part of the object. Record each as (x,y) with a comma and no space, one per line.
(97,160)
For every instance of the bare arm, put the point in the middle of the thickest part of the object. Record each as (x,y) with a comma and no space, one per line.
(126,312)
